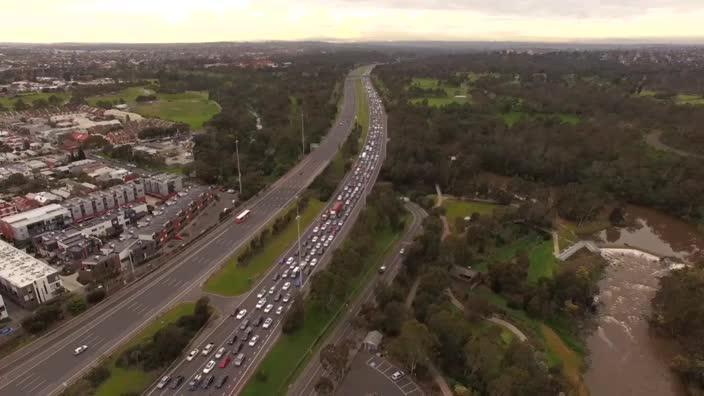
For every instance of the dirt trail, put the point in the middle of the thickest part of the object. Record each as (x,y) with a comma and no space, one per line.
(653,140)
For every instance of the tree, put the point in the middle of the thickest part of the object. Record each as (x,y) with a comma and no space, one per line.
(76,305)
(55,101)
(333,358)
(294,317)
(324,386)
(96,295)
(413,345)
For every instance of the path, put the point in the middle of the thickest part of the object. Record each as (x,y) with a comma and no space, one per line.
(412,293)
(439,192)
(653,140)
(508,326)
(439,380)
(555,244)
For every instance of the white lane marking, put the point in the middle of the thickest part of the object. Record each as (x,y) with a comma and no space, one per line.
(30,390)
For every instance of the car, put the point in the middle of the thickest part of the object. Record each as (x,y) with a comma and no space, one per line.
(237,348)
(279,310)
(267,323)
(402,251)
(232,340)
(272,289)
(208,382)
(260,303)
(244,324)
(254,340)
(239,359)
(277,276)
(209,367)
(286,286)
(289,260)
(268,308)
(315,239)
(382,269)
(315,230)
(398,374)
(285,275)
(224,362)
(261,293)
(277,297)
(313,261)
(248,332)
(257,321)
(207,349)
(220,352)
(80,349)
(192,354)
(222,381)
(177,382)
(163,382)
(287,297)
(241,313)
(195,381)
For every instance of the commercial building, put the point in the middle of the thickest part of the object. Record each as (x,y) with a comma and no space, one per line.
(163,185)
(26,280)
(21,227)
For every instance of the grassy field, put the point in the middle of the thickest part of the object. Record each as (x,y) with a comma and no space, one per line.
(456,209)
(125,381)
(689,99)
(192,107)
(291,351)
(9,101)
(454,94)
(362,110)
(558,351)
(232,280)
(542,262)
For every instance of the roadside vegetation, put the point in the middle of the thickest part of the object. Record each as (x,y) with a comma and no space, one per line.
(36,100)
(377,228)
(137,364)
(248,264)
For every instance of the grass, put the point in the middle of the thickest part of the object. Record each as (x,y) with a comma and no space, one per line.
(9,101)
(232,279)
(362,111)
(542,262)
(456,209)
(123,381)
(558,351)
(298,347)
(192,107)
(684,99)
(453,93)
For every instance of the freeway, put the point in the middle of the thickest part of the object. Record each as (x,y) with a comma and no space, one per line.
(48,365)
(305,383)
(239,342)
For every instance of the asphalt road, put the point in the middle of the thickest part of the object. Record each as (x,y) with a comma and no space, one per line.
(230,326)
(305,383)
(47,365)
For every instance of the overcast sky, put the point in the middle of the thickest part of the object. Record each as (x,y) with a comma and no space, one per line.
(245,20)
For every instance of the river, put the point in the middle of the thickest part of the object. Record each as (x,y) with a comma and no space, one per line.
(625,358)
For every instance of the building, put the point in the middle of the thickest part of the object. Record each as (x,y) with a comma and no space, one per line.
(7,208)
(372,341)
(3,310)
(26,280)
(99,202)
(21,227)
(163,185)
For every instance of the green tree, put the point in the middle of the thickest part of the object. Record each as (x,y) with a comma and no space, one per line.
(76,305)
(294,317)
(413,345)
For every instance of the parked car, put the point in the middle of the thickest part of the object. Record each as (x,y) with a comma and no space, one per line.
(398,374)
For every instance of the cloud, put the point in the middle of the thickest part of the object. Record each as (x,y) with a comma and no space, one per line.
(541,8)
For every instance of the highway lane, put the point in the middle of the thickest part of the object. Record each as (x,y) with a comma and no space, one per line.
(48,364)
(229,326)
(305,383)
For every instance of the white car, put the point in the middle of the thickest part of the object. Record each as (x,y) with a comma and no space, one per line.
(279,310)
(253,340)
(268,308)
(209,367)
(313,262)
(207,349)
(272,289)
(287,297)
(192,354)
(261,303)
(220,352)
(267,323)
(80,349)
(261,293)
(286,286)
(397,375)
(315,230)
(402,251)
(289,260)
(241,313)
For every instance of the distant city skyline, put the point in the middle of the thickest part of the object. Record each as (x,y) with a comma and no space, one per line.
(167,21)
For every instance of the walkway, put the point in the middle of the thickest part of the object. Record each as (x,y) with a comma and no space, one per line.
(653,140)
(439,380)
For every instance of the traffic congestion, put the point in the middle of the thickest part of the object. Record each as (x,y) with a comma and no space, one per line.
(223,360)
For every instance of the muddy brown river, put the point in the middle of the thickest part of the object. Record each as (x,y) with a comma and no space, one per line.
(625,358)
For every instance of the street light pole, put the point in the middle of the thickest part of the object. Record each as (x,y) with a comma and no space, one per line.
(303,138)
(239,172)
(298,227)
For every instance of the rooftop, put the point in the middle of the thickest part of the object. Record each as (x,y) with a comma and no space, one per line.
(166,212)
(19,268)
(24,217)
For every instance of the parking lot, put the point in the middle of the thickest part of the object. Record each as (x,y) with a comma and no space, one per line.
(371,375)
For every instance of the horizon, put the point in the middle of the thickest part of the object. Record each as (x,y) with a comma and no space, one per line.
(181,21)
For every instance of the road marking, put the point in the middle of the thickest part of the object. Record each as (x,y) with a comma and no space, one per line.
(30,390)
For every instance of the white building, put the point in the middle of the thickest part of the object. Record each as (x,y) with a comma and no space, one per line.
(163,185)
(25,279)
(21,227)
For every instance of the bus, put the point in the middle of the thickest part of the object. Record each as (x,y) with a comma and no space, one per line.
(242,216)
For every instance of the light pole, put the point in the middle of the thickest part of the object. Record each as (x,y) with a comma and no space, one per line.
(303,138)
(298,227)
(239,172)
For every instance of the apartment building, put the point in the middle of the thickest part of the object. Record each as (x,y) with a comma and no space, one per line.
(21,227)
(24,279)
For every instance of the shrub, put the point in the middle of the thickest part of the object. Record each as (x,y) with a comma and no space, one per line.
(96,295)
(76,305)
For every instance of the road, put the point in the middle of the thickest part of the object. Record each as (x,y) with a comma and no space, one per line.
(363,175)
(46,366)
(305,383)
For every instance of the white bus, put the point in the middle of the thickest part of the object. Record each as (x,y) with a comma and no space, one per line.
(242,216)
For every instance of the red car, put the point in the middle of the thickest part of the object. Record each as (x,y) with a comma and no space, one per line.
(224,362)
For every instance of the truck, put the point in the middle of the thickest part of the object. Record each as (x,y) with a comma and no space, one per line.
(337,208)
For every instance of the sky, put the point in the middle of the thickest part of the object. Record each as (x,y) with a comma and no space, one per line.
(163,21)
